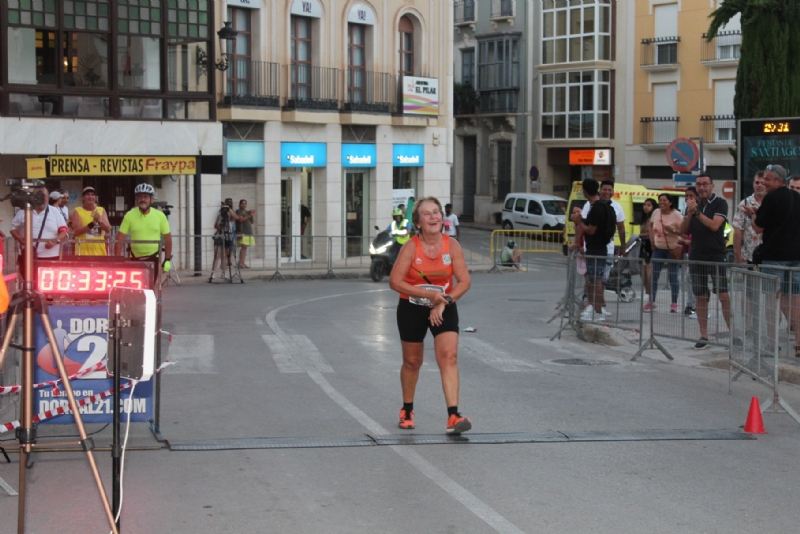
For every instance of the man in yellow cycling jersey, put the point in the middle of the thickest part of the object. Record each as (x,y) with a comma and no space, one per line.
(144,223)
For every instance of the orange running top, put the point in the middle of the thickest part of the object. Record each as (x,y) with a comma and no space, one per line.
(426,271)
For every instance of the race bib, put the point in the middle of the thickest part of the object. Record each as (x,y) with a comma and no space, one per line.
(446,259)
(423,301)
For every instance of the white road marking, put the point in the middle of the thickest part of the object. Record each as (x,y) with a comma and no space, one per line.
(194,352)
(297,354)
(482,510)
(282,355)
(492,356)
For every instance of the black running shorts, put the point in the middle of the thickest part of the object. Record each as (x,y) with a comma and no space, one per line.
(413,323)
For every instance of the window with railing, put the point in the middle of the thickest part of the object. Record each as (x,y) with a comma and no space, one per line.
(498,64)
(659,51)
(658,130)
(574,31)
(301,58)
(503,9)
(238,74)
(356,62)
(468,67)
(576,105)
(107,58)
(725,46)
(464,11)
(406,29)
(718,129)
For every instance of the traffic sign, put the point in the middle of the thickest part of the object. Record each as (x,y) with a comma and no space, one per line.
(728,189)
(682,154)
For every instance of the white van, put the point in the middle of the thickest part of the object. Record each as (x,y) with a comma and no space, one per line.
(532,211)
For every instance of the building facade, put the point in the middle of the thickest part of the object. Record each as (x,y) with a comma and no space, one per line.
(328,107)
(682,86)
(560,119)
(323,108)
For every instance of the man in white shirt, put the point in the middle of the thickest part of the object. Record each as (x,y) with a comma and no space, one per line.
(48,225)
(451,222)
(63,205)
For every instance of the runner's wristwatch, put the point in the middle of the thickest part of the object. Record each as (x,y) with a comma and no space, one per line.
(449,299)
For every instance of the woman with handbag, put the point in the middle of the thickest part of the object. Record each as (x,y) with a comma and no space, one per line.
(664,239)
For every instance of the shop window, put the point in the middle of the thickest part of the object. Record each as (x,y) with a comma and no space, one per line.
(576,105)
(576,32)
(406,28)
(301,58)
(240,70)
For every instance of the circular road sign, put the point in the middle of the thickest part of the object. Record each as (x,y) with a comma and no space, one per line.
(727,189)
(682,154)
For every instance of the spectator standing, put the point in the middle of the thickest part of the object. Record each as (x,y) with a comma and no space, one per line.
(778,219)
(665,237)
(705,221)
(55,199)
(90,224)
(63,205)
(245,231)
(648,207)
(745,238)
(49,228)
(451,222)
(597,229)
(794,183)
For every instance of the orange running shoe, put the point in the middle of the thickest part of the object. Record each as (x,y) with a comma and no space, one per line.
(456,424)
(406,419)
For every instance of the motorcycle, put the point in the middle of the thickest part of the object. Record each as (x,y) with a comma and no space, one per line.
(383,254)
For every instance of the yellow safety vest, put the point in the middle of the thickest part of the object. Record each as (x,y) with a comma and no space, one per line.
(401,239)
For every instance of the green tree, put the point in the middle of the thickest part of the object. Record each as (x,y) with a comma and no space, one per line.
(768,77)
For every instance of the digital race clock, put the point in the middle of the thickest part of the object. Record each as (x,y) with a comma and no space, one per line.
(776,127)
(91,279)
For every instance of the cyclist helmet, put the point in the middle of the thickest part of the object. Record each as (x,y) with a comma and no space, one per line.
(512,244)
(147,189)
(396,212)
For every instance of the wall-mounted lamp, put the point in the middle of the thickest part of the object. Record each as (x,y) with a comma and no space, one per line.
(226,35)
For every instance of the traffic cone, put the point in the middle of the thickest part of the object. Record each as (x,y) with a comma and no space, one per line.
(754,424)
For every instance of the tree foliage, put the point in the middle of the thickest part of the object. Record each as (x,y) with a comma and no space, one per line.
(768,77)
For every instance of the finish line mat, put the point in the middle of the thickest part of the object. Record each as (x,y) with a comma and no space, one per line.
(367,440)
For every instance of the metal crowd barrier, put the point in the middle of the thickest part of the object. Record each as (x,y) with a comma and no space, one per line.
(527,241)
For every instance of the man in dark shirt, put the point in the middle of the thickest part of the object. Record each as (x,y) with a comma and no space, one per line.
(598,230)
(777,220)
(705,221)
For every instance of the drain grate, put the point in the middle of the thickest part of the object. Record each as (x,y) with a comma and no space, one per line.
(581,361)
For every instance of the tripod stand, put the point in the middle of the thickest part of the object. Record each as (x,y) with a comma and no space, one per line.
(27,302)
(225,240)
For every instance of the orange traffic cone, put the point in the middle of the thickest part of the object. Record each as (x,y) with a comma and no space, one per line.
(754,424)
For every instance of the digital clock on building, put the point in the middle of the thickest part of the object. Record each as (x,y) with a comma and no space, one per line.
(90,280)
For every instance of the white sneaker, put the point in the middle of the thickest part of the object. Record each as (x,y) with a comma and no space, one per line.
(605,311)
(588,313)
(599,317)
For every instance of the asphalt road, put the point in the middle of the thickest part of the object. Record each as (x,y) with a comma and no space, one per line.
(319,361)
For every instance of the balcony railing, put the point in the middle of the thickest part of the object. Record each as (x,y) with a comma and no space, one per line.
(719,129)
(252,83)
(724,48)
(314,87)
(505,101)
(368,91)
(464,11)
(503,9)
(660,53)
(658,130)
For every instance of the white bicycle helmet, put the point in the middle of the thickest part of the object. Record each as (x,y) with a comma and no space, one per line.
(144,188)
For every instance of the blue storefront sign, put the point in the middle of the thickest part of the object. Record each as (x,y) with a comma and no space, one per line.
(408,155)
(304,155)
(355,155)
(245,154)
(82,334)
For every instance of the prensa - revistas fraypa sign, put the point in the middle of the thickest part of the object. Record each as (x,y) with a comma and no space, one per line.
(121,165)
(420,96)
(304,155)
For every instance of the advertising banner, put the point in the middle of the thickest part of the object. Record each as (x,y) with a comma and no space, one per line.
(402,196)
(408,155)
(767,141)
(121,165)
(420,96)
(304,155)
(81,332)
(358,155)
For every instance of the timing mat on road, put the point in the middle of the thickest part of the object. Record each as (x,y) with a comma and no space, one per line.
(367,440)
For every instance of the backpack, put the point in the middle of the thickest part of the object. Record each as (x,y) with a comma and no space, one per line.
(610,225)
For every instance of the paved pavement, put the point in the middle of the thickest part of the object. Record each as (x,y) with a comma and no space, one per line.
(318,360)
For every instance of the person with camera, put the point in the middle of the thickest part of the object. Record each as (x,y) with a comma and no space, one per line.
(245,238)
(90,224)
(49,228)
(144,223)
(225,227)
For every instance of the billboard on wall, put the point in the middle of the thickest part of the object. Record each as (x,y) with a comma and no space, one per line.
(763,142)
(420,96)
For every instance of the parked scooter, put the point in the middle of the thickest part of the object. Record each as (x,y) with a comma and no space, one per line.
(383,253)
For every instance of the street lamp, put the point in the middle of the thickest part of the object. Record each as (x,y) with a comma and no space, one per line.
(226,35)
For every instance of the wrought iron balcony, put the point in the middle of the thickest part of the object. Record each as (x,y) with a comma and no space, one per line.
(724,49)
(314,87)
(464,12)
(503,9)
(252,83)
(660,53)
(719,129)
(505,101)
(368,91)
(658,130)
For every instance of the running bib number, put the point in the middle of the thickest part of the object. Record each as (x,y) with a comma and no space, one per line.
(423,301)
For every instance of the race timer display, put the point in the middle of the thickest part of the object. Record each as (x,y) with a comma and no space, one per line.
(90,281)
